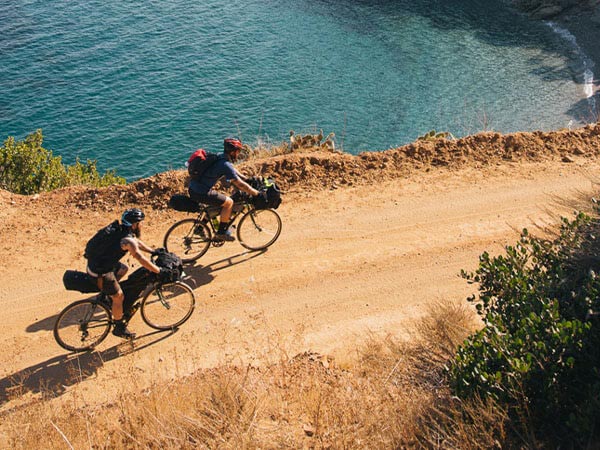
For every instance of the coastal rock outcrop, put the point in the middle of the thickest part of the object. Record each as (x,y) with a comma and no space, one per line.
(548,9)
(312,171)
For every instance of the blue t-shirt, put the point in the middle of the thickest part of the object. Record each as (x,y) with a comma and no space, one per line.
(222,167)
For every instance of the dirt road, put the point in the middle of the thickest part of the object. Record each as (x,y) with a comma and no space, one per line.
(349,262)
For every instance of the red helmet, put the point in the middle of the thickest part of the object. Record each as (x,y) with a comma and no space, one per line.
(231,144)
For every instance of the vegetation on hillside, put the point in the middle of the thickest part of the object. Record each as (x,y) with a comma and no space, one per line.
(538,355)
(392,395)
(28,168)
(527,378)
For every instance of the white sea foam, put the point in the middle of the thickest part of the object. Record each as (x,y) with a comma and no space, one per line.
(587,63)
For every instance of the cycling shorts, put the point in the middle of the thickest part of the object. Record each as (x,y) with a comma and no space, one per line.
(109,284)
(212,198)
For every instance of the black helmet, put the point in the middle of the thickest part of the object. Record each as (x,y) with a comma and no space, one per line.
(231,144)
(131,216)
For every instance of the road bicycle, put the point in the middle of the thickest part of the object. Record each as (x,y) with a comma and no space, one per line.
(84,324)
(191,238)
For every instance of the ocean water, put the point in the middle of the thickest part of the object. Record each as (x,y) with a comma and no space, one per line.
(138,85)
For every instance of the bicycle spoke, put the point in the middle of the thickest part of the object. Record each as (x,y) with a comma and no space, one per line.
(82,325)
(258,229)
(168,306)
(188,238)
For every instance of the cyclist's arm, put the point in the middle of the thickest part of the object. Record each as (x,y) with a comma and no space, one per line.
(245,187)
(144,247)
(133,247)
(232,175)
(240,176)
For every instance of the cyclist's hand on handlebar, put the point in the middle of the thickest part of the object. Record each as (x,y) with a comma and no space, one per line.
(158,251)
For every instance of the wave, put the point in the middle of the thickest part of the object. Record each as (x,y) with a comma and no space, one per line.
(587,64)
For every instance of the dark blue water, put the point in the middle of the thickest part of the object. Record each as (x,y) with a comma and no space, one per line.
(138,85)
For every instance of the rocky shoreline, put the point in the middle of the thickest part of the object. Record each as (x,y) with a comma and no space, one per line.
(580,17)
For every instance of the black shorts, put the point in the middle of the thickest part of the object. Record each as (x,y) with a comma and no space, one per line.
(109,284)
(212,198)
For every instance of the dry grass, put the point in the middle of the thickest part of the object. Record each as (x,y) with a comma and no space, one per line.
(299,143)
(392,395)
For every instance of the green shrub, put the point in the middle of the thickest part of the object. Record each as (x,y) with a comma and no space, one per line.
(538,354)
(27,168)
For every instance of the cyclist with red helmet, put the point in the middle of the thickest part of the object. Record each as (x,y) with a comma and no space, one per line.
(201,190)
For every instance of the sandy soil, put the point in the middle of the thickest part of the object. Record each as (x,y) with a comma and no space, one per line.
(352,260)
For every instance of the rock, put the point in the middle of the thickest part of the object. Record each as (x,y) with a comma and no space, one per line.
(308,430)
(547,12)
(567,159)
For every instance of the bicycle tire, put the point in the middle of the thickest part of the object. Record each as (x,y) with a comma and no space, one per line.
(168,306)
(188,238)
(73,325)
(257,225)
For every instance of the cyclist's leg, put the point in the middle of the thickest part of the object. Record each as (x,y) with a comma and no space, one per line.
(111,286)
(226,208)
(120,271)
(214,198)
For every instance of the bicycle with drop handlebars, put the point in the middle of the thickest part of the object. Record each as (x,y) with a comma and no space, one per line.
(84,324)
(256,229)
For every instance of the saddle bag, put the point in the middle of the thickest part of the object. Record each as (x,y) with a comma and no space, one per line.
(75,280)
(182,202)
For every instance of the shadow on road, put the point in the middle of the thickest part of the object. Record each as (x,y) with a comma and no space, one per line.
(200,275)
(196,276)
(53,376)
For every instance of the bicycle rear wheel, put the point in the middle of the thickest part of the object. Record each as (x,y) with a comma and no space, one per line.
(189,239)
(82,325)
(168,306)
(259,228)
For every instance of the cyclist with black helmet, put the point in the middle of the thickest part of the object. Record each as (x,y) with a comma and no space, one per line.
(201,190)
(104,252)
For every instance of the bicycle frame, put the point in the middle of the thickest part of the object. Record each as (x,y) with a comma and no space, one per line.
(209,213)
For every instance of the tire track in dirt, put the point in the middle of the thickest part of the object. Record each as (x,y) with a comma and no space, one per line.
(349,261)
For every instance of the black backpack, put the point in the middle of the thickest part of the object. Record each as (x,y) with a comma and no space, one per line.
(106,238)
(199,162)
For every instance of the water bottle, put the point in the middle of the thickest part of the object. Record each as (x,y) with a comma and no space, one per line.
(215,222)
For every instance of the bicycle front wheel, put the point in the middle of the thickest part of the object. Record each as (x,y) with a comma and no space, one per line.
(82,325)
(259,228)
(168,306)
(189,239)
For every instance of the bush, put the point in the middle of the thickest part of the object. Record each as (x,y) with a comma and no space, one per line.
(537,354)
(27,168)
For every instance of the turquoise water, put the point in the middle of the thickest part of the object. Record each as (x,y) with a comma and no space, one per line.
(138,85)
